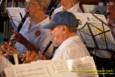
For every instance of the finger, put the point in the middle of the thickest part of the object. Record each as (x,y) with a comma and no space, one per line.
(33,55)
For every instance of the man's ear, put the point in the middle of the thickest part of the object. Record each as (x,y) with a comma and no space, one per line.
(64,28)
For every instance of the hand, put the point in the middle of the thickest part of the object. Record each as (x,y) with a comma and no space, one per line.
(6,48)
(33,56)
(30,56)
(41,56)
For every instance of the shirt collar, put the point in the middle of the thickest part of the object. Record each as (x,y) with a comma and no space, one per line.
(69,40)
(76,6)
(40,25)
(45,21)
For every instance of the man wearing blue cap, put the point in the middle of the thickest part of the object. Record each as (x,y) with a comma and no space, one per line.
(63,30)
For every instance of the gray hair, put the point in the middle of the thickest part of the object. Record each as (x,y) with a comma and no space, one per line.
(72,29)
(43,3)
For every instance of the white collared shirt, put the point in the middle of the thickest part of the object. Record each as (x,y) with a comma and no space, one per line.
(71,48)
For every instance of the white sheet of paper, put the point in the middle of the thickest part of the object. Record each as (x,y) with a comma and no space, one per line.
(48,68)
(14,15)
(42,68)
(84,67)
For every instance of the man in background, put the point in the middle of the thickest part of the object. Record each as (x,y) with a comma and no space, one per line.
(68,5)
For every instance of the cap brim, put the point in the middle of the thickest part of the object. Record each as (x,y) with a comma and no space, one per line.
(51,25)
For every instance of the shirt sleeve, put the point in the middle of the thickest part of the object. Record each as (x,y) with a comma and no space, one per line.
(76,51)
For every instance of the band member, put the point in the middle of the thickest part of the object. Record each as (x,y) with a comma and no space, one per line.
(63,31)
(111,16)
(32,35)
(68,5)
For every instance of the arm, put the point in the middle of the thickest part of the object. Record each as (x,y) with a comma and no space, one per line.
(20,38)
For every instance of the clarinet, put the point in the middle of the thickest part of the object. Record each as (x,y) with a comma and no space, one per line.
(12,42)
(45,50)
(52,7)
(22,22)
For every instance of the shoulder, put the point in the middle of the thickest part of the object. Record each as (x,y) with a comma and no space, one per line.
(57,10)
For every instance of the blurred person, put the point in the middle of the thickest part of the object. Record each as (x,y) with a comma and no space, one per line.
(32,36)
(111,16)
(100,8)
(68,5)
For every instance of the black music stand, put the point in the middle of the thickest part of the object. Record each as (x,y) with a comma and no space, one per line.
(103,40)
(97,40)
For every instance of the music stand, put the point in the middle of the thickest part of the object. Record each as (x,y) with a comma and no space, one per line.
(96,34)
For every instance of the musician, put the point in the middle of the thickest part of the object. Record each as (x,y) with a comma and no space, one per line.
(32,35)
(100,8)
(63,30)
(111,15)
(68,5)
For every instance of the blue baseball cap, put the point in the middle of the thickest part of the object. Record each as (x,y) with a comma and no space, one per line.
(63,18)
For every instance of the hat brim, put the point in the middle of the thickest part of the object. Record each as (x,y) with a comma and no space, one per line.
(51,25)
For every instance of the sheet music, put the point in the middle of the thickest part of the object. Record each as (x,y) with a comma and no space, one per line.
(84,67)
(14,15)
(53,66)
(89,8)
(48,68)
(15,11)
(4,63)
(65,74)
(37,69)
(104,40)
(87,17)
